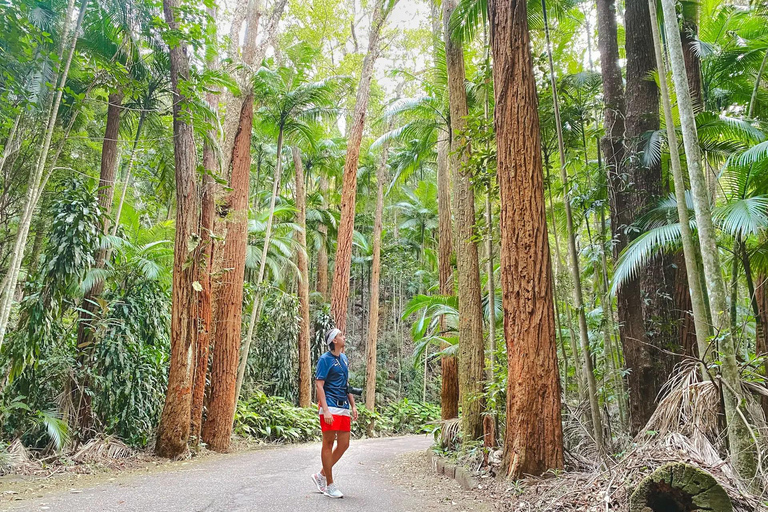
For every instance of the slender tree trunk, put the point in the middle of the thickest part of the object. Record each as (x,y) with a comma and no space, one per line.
(217,429)
(128,172)
(471,341)
(322,251)
(257,301)
(173,432)
(208,193)
(689,32)
(649,364)
(342,266)
(449,401)
(449,396)
(89,307)
(742,451)
(305,370)
(611,351)
(573,256)
(35,179)
(534,440)
(373,315)
(631,328)
(581,384)
(760,298)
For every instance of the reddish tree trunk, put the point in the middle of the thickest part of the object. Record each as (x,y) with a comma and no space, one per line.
(373,311)
(471,341)
(342,265)
(305,371)
(533,442)
(204,302)
(217,429)
(449,402)
(173,432)
(449,396)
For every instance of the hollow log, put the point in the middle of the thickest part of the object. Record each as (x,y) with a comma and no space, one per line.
(679,487)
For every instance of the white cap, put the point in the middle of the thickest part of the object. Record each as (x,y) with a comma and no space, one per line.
(331,335)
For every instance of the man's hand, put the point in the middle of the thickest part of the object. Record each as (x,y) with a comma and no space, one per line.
(354,413)
(328,417)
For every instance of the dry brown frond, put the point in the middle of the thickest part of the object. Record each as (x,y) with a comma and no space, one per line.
(103,450)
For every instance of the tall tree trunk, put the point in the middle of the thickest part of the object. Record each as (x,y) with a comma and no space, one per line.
(173,432)
(689,32)
(573,256)
(449,396)
(631,328)
(742,451)
(305,370)
(534,440)
(8,286)
(257,300)
(89,306)
(217,429)
(208,193)
(129,172)
(471,341)
(342,266)
(649,366)
(761,341)
(373,314)
(322,251)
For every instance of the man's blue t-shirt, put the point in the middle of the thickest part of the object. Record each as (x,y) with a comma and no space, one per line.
(335,372)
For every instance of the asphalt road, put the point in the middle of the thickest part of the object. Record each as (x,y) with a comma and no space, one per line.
(271,480)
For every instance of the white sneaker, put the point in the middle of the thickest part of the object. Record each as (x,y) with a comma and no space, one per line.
(332,492)
(320,482)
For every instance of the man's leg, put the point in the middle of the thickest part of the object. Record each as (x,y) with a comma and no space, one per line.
(326,455)
(342,443)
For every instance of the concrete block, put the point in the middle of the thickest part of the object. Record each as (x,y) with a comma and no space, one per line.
(465,479)
(449,470)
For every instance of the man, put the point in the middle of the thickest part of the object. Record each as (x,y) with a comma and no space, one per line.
(337,409)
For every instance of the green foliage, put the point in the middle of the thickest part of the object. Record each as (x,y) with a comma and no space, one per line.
(275,419)
(273,364)
(408,417)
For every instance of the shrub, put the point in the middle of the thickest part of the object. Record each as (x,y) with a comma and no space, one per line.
(409,417)
(273,418)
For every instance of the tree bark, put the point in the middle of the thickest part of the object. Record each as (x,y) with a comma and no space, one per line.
(89,307)
(533,443)
(173,432)
(649,365)
(373,313)
(631,328)
(742,451)
(471,341)
(449,396)
(342,266)
(305,370)
(689,32)
(208,193)
(322,251)
(217,429)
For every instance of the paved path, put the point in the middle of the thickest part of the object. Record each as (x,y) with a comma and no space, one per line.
(271,480)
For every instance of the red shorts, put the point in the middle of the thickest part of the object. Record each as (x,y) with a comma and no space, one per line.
(340,424)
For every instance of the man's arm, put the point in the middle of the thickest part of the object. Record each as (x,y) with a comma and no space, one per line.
(353,406)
